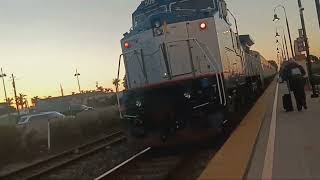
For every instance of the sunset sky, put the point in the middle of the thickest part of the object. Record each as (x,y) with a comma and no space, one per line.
(43,41)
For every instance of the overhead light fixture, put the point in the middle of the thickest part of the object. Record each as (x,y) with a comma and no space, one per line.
(276,18)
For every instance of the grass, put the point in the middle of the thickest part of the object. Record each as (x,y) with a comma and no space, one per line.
(6,121)
(24,145)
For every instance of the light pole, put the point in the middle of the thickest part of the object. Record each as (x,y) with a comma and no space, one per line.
(77,76)
(318,10)
(276,18)
(15,93)
(284,40)
(305,38)
(279,48)
(281,44)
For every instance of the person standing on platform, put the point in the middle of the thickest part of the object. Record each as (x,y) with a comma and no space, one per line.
(294,75)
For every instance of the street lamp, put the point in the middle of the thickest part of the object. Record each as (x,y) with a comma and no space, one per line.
(3,75)
(77,76)
(318,10)
(284,40)
(301,9)
(276,18)
(279,48)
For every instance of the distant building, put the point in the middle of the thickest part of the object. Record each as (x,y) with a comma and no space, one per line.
(73,102)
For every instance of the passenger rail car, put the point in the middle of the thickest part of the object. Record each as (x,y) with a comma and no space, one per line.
(186,69)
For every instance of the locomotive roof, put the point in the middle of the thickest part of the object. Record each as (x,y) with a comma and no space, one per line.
(149,10)
(144,5)
(150,4)
(246,40)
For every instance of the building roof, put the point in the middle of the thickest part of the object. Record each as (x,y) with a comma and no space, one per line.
(246,40)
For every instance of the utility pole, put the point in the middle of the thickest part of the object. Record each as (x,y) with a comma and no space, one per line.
(77,75)
(2,75)
(318,10)
(305,37)
(61,89)
(15,93)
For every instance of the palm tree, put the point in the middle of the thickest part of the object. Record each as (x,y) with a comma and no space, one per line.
(9,101)
(124,83)
(35,100)
(108,90)
(116,82)
(21,100)
(100,88)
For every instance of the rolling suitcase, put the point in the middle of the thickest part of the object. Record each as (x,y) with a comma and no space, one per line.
(287,101)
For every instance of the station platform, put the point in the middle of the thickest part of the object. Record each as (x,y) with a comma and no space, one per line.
(271,143)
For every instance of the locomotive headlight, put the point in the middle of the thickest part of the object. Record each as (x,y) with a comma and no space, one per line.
(187,95)
(126,45)
(138,104)
(157,24)
(203,26)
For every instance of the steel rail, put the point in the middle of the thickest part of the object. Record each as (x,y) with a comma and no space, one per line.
(122,164)
(43,167)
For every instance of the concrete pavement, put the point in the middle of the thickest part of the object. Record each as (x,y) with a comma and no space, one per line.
(288,146)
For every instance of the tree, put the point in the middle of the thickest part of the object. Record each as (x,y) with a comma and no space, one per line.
(35,100)
(22,101)
(100,89)
(116,82)
(108,90)
(10,101)
(124,83)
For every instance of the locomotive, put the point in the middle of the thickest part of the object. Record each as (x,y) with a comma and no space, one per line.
(186,70)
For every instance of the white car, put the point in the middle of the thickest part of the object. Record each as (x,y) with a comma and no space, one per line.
(41,116)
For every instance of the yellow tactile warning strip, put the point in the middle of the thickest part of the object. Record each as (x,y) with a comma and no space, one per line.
(232,159)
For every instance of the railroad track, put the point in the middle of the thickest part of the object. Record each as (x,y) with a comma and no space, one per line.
(57,162)
(146,166)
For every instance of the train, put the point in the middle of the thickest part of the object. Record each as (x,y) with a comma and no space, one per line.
(186,70)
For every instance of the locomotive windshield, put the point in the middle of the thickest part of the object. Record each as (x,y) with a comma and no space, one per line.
(192,5)
(177,8)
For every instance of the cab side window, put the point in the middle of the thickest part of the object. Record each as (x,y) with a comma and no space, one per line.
(223,10)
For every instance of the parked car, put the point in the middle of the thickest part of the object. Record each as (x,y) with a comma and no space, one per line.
(87,108)
(41,116)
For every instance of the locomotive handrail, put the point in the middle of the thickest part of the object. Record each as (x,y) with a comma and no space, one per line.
(193,39)
(215,66)
(222,82)
(219,73)
(118,75)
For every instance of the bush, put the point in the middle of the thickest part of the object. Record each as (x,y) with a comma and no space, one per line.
(26,144)
(10,144)
(85,126)
(65,133)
